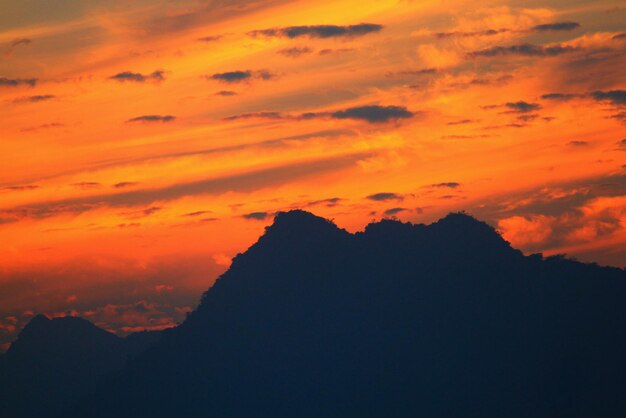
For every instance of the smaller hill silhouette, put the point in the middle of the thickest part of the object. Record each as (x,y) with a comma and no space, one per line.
(54,362)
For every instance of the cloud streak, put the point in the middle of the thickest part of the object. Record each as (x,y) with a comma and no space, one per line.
(528,50)
(152,119)
(319,31)
(128,76)
(241,75)
(17,82)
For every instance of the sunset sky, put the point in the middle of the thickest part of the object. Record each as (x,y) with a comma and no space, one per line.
(145,143)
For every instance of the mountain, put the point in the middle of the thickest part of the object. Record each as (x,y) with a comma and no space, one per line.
(400,320)
(54,362)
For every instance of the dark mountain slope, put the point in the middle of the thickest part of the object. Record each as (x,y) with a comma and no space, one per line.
(54,362)
(400,320)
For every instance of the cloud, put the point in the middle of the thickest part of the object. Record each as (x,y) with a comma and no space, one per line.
(524,50)
(384,196)
(21,187)
(319,31)
(330,202)
(15,43)
(257,115)
(556,26)
(619,36)
(244,182)
(256,216)
(212,38)
(371,114)
(43,126)
(559,96)
(486,32)
(617,97)
(226,93)
(152,119)
(621,116)
(374,114)
(197,213)
(522,107)
(157,76)
(16,82)
(576,143)
(449,184)
(394,211)
(327,51)
(142,213)
(241,75)
(35,99)
(461,122)
(295,51)
(87,185)
(124,184)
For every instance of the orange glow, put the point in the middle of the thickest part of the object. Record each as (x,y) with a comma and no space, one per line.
(124,155)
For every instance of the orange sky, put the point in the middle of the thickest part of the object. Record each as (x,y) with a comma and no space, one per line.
(145,143)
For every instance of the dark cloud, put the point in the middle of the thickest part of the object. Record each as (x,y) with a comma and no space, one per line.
(152,119)
(319,31)
(556,26)
(559,96)
(449,184)
(371,114)
(212,38)
(197,213)
(524,50)
(124,184)
(620,116)
(577,143)
(257,115)
(486,32)
(327,51)
(241,75)
(461,122)
(16,82)
(21,187)
(622,143)
(528,117)
(394,211)
(142,213)
(617,97)
(384,196)
(256,216)
(158,76)
(226,93)
(35,99)
(374,114)
(619,36)
(522,107)
(330,202)
(44,126)
(295,51)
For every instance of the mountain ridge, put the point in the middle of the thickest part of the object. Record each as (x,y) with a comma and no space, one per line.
(396,320)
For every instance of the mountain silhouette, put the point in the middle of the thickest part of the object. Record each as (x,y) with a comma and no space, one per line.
(54,362)
(400,320)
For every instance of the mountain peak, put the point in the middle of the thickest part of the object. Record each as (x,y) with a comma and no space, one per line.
(58,334)
(300,225)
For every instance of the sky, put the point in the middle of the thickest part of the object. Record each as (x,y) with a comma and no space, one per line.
(145,143)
